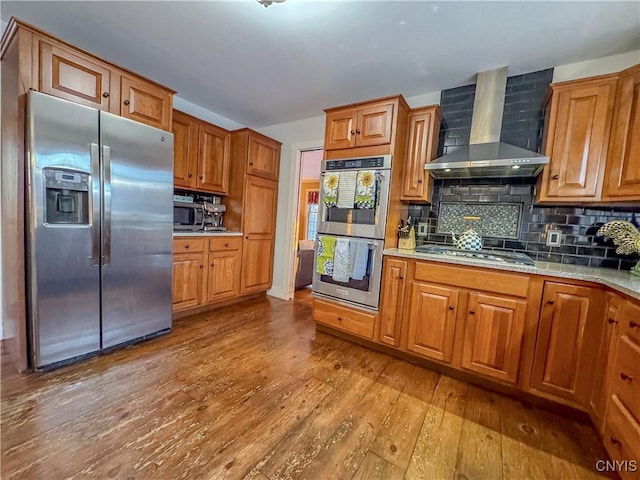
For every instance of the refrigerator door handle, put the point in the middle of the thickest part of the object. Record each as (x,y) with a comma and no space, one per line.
(106,203)
(95,204)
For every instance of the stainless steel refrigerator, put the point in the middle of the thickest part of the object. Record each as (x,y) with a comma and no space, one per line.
(99,229)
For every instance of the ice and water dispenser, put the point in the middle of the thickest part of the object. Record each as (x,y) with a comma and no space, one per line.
(67,194)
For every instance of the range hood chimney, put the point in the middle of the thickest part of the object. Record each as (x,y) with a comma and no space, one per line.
(487,156)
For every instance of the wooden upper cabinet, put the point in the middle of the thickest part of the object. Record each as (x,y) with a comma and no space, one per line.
(493,336)
(422,144)
(263,159)
(213,168)
(261,199)
(365,126)
(69,74)
(432,321)
(185,150)
(394,274)
(567,342)
(622,175)
(577,139)
(145,102)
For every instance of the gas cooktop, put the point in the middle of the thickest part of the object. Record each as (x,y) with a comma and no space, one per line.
(489,255)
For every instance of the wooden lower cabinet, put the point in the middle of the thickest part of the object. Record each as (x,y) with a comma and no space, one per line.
(348,319)
(257,263)
(223,279)
(394,275)
(567,341)
(188,280)
(493,336)
(432,321)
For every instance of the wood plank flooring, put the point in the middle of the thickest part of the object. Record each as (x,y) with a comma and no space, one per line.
(252,391)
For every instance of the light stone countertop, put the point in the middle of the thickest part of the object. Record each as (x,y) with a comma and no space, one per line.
(621,281)
(202,233)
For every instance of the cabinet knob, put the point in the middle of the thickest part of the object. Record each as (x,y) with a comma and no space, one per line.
(247,238)
(212,265)
(226,244)
(126,102)
(624,376)
(186,246)
(472,312)
(551,302)
(105,94)
(201,266)
(419,180)
(612,320)
(615,441)
(451,307)
(200,177)
(339,319)
(251,163)
(555,177)
(189,175)
(352,132)
(633,324)
(358,131)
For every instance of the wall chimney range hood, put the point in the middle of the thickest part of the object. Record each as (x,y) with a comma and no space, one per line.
(487,156)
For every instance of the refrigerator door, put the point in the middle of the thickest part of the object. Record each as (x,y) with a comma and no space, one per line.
(137,229)
(63,214)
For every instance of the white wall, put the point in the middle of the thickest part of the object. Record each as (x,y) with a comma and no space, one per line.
(204,114)
(599,66)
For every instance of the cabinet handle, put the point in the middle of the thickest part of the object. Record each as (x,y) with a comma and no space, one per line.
(105,94)
(251,163)
(555,177)
(358,131)
(551,302)
(400,277)
(339,319)
(472,312)
(633,324)
(186,246)
(201,266)
(247,238)
(624,376)
(451,307)
(352,132)
(226,244)
(200,177)
(615,441)
(189,175)
(212,265)
(612,320)
(419,180)
(126,102)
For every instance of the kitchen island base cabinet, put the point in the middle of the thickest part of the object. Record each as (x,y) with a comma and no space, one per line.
(432,321)
(493,336)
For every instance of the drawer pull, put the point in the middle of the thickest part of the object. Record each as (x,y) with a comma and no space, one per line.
(550,302)
(614,440)
(339,319)
(633,324)
(624,376)
(472,312)
(555,177)
(226,244)
(451,307)
(186,245)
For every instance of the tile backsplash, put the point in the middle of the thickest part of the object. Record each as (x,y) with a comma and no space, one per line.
(501,220)
(578,225)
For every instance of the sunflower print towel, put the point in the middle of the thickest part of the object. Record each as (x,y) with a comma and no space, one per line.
(366,189)
(330,189)
(324,255)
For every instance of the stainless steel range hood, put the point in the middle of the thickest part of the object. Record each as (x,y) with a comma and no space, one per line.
(486,156)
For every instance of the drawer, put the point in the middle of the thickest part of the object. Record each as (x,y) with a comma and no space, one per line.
(224,243)
(630,320)
(344,318)
(473,278)
(186,245)
(625,376)
(622,440)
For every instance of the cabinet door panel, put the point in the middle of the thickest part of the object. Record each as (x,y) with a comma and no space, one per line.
(560,354)
(422,143)
(374,125)
(224,275)
(73,76)
(432,319)
(580,140)
(623,162)
(187,280)
(213,170)
(263,158)
(257,264)
(185,140)
(392,304)
(340,130)
(261,197)
(145,102)
(493,336)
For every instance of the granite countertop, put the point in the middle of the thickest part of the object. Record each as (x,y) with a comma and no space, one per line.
(622,281)
(202,233)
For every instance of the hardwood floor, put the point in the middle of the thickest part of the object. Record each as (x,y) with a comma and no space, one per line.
(252,391)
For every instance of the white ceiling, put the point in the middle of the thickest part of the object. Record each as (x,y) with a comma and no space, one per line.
(262,67)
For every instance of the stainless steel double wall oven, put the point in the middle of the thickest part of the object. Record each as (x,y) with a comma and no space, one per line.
(357,223)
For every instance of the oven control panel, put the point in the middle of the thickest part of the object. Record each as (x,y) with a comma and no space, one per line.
(358,163)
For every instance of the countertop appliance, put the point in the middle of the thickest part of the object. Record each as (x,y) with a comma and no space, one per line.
(99,230)
(487,156)
(213,217)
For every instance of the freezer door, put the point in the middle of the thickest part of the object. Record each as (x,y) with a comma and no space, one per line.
(62,220)
(137,229)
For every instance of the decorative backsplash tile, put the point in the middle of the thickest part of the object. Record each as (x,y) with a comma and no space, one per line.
(499,220)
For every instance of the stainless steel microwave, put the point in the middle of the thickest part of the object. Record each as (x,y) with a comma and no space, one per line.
(188,216)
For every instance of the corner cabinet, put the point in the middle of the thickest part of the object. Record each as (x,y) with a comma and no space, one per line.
(422,145)
(622,175)
(251,204)
(201,154)
(577,138)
